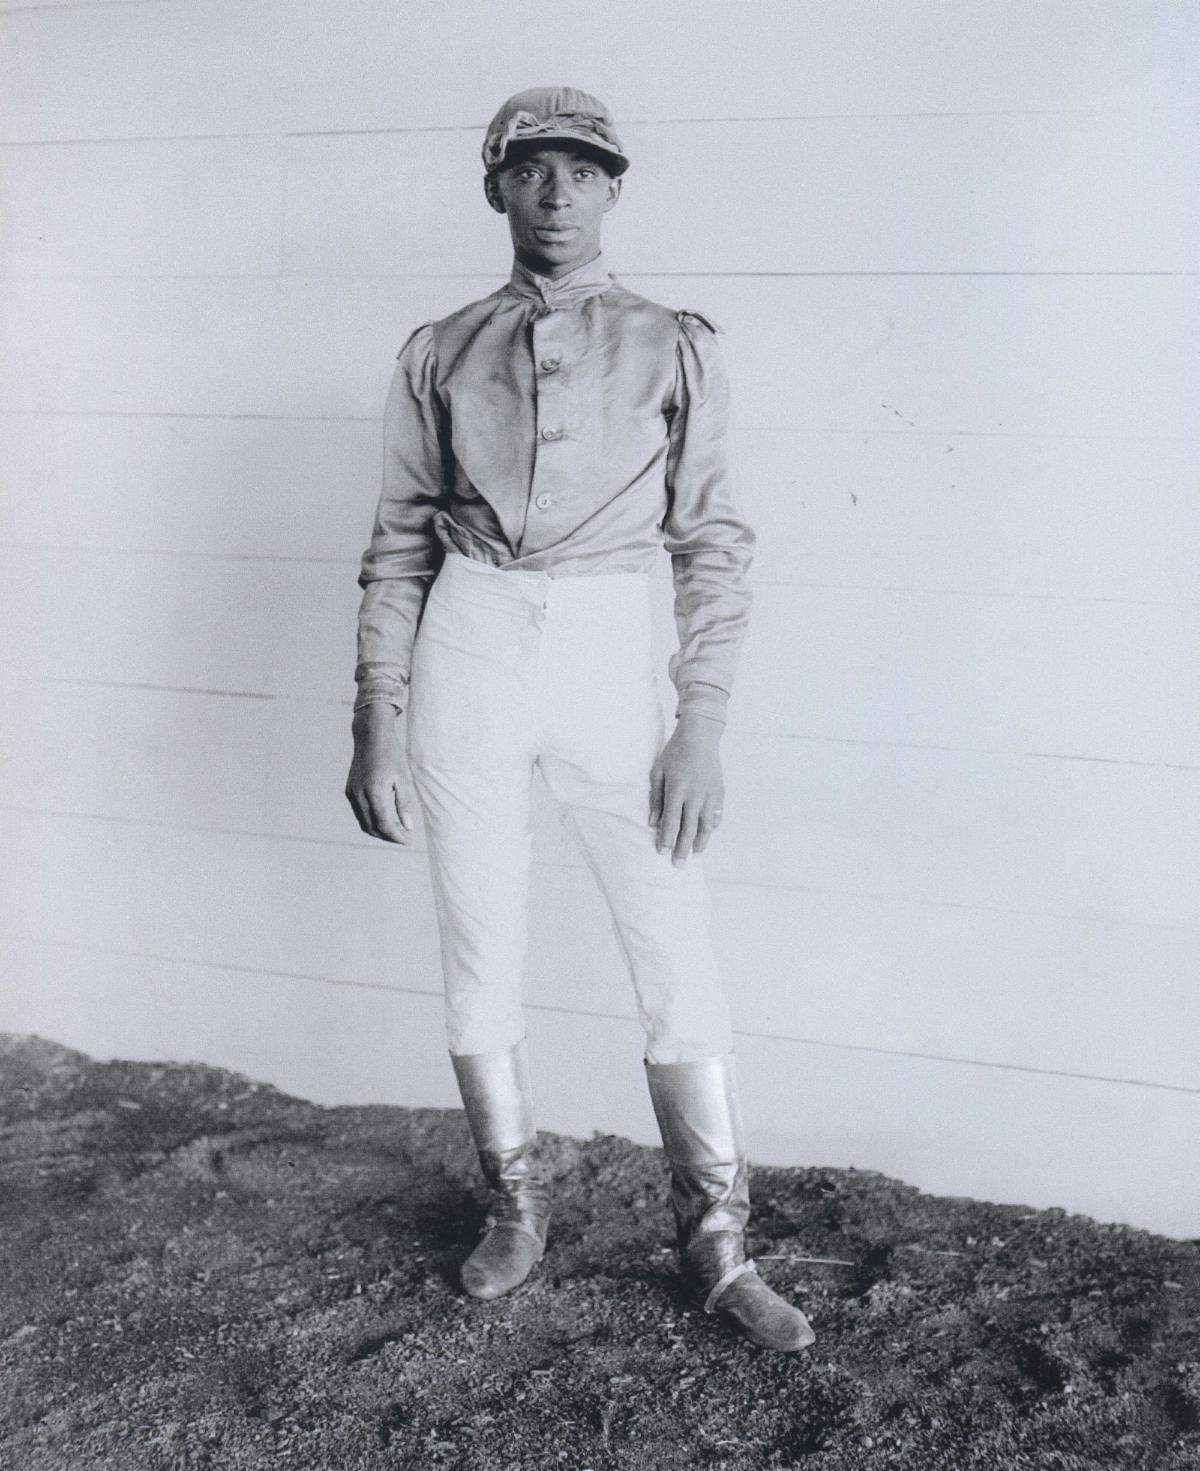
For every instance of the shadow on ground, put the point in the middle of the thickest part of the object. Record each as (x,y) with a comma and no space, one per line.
(203,1272)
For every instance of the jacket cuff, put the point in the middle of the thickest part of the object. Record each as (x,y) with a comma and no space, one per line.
(380,684)
(708,700)
(395,701)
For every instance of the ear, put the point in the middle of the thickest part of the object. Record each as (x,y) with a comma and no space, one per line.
(613,193)
(491,188)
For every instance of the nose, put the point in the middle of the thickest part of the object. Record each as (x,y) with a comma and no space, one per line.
(555,194)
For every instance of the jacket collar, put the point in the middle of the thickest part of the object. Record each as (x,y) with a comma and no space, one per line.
(576,286)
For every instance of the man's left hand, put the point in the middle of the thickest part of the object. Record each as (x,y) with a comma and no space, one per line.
(686,788)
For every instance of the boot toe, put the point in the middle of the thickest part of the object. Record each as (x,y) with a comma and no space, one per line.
(764,1317)
(501,1261)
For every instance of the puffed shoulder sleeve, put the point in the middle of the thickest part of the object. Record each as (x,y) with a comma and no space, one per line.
(399,565)
(710,542)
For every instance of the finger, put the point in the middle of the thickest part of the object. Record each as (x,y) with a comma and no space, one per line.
(672,815)
(381,803)
(359,805)
(710,821)
(687,836)
(404,810)
(656,794)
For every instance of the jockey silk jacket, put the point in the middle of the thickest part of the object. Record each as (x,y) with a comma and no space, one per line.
(570,427)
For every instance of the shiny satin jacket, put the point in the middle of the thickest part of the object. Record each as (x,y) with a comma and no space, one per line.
(564,426)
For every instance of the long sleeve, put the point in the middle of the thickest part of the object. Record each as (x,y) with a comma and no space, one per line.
(710,542)
(402,559)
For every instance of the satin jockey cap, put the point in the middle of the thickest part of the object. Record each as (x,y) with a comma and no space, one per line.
(553,112)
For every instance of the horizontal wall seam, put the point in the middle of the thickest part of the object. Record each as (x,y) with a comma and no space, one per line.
(350,563)
(178,414)
(382,851)
(310,276)
(436,994)
(1007,753)
(794,117)
(478,129)
(747,428)
(170,689)
(69,5)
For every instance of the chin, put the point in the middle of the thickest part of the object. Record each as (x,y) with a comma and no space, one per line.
(560,252)
(557,248)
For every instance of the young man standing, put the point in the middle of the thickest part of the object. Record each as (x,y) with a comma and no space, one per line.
(541,447)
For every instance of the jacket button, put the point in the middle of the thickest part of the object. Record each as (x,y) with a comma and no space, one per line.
(551,365)
(543,502)
(551,433)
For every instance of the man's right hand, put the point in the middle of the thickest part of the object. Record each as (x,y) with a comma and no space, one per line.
(379,786)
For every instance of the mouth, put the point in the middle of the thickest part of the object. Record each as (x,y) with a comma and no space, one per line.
(555,232)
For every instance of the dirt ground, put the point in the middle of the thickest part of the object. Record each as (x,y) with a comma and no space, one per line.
(203,1272)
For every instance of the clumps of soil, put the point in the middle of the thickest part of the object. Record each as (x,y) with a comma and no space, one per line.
(202,1272)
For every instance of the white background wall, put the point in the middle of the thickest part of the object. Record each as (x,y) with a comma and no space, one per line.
(954,248)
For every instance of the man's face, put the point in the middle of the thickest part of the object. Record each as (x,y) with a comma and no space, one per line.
(555,197)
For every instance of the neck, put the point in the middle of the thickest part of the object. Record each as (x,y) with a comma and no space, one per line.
(553,270)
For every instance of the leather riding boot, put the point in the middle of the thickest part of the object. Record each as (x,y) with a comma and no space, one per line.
(496,1095)
(696,1105)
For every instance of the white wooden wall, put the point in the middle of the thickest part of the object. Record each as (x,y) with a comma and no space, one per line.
(954,247)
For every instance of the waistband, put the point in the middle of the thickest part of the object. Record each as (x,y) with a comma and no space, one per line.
(537,586)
